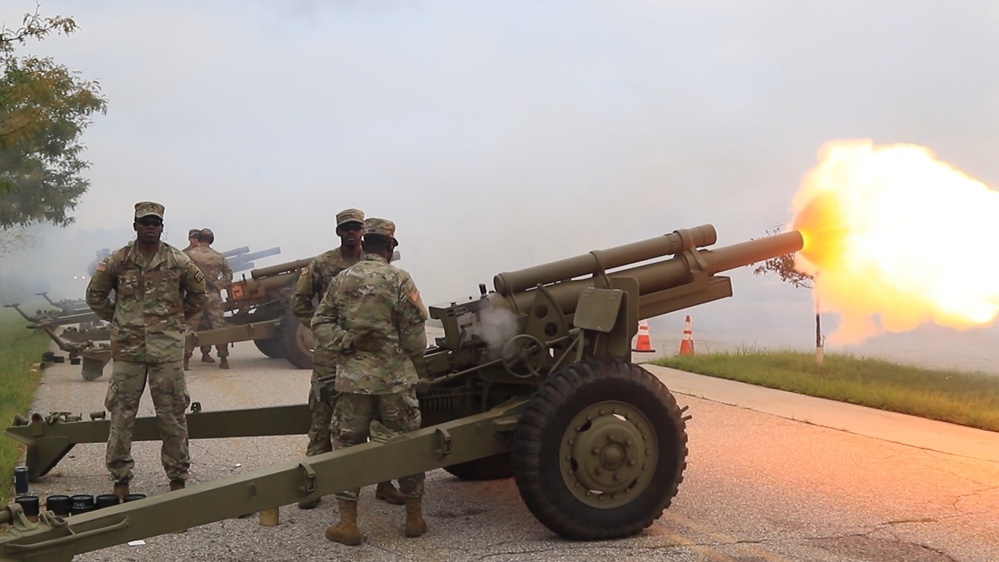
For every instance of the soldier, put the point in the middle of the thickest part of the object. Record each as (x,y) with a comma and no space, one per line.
(192,240)
(156,288)
(218,275)
(371,319)
(311,287)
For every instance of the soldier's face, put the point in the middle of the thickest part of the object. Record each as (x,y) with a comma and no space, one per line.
(350,234)
(148,229)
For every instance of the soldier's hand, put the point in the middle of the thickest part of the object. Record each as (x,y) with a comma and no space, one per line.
(423,386)
(367,339)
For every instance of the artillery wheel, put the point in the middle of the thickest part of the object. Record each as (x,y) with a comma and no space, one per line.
(297,342)
(271,347)
(495,467)
(600,450)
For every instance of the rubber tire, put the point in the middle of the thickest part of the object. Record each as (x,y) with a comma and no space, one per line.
(546,418)
(295,340)
(271,347)
(495,467)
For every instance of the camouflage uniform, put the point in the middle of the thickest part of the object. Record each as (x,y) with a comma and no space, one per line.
(311,286)
(218,275)
(153,296)
(374,295)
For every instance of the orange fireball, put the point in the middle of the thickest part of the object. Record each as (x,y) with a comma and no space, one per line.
(896,238)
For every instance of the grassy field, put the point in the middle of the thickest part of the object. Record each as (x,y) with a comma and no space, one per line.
(964,398)
(20,348)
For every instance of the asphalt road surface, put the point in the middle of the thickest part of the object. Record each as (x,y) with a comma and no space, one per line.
(771,477)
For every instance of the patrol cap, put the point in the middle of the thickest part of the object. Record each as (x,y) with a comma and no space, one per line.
(349,215)
(382,227)
(147,208)
(206,234)
(193,233)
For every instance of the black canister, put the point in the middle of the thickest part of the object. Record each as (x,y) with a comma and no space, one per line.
(29,504)
(21,480)
(133,497)
(81,503)
(58,505)
(106,500)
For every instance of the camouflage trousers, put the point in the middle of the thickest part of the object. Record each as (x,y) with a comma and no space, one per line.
(321,429)
(168,390)
(399,413)
(209,318)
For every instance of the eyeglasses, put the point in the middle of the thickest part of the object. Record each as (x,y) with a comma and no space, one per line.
(351,226)
(150,221)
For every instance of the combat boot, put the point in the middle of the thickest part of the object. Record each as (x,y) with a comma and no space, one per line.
(206,357)
(223,362)
(121,490)
(415,524)
(176,485)
(388,494)
(345,531)
(187,362)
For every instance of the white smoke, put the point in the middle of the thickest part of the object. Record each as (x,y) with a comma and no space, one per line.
(496,327)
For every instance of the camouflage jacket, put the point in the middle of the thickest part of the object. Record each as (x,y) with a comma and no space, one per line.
(214,266)
(375,295)
(314,281)
(151,302)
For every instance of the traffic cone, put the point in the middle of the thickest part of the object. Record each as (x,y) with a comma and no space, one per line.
(687,343)
(643,343)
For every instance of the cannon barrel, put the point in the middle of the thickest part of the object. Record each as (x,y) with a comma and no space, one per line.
(280,268)
(514,281)
(235,251)
(653,277)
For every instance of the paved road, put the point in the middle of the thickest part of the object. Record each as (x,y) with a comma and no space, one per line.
(772,477)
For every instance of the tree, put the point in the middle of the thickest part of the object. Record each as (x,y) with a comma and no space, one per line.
(783,267)
(44,109)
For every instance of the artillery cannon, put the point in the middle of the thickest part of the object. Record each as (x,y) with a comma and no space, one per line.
(532,380)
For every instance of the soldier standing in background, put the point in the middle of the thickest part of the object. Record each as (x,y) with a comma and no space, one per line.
(218,275)
(371,320)
(156,288)
(311,287)
(192,240)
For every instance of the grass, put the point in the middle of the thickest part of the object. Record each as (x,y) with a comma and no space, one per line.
(965,398)
(20,348)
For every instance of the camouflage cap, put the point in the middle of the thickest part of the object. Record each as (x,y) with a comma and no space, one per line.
(193,233)
(206,234)
(146,208)
(383,227)
(349,215)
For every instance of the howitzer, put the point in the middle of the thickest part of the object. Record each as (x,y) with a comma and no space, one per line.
(532,380)
(241,259)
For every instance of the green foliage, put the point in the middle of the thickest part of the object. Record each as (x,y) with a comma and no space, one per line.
(44,109)
(970,399)
(19,349)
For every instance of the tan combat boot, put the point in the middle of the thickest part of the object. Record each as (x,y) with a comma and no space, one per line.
(415,524)
(176,485)
(223,362)
(121,490)
(386,492)
(345,531)
(206,358)
(187,362)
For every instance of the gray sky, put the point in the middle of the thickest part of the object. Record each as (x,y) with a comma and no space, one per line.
(499,135)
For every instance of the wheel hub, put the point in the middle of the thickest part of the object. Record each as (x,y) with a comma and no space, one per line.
(608,454)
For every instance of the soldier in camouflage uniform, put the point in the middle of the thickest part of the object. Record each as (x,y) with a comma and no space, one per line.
(156,288)
(218,275)
(311,287)
(192,240)
(371,319)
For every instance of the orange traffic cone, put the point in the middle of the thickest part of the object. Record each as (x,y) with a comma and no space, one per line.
(643,343)
(687,343)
